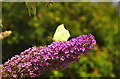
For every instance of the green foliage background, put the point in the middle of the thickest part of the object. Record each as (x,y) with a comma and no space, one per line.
(100,19)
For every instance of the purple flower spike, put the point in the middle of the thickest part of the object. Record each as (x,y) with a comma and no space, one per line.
(33,61)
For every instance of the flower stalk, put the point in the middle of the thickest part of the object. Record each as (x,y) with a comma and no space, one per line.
(33,61)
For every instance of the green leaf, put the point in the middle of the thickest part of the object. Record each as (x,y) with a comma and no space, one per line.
(1,23)
(61,34)
(31,8)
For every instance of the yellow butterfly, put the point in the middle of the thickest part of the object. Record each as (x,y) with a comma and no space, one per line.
(61,34)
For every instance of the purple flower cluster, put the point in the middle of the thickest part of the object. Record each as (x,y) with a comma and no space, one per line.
(33,61)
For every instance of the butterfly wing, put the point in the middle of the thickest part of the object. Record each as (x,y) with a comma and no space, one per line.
(61,34)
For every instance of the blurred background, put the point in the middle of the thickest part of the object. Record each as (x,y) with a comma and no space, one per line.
(99,19)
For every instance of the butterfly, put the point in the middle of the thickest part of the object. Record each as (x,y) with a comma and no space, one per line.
(61,34)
